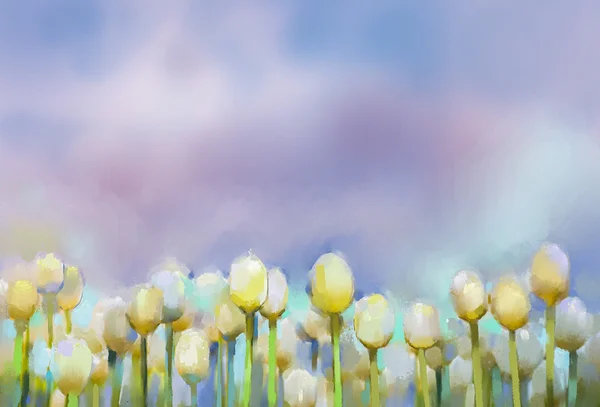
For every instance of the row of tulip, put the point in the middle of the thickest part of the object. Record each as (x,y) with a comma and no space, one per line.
(197,312)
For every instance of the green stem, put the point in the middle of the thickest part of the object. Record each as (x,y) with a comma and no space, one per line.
(476,361)
(144,370)
(314,354)
(49,298)
(514,368)
(25,368)
(423,378)
(572,387)
(95,395)
(438,386)
(550,322)
(374,385)
(116,382)
(337,365)
(68,322)
(445,384)
(248,364)
(272,386)
(194,394)
(136,381)
(72,400)
(169,390)
(219,373)
(230,377)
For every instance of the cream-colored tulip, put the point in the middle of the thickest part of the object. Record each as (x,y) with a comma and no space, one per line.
(529,349)
(72,365)
(537,385)
(354,356)
(50,273)
(550,271)
(145,311)
(192,356)
(332,284)
(573,324)
(277,295)
(22,298)
(230,321)
(169,276)
(71,292)
(57,399)
(464,350)
(248,283)
(287,345)
(510,304)
(468,296)
(374,321)
(299,388)
(211,290)
(91,337)
(422,326)
(185,321)
(315,326)
(461,374)
(99,368)
(117,332)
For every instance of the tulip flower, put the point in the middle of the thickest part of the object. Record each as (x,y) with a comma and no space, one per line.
(192,359)
(538,390)
(470,304)
(299,388)
(72,366)
(248,284)
(70,293)
(510,306)
(118,336)
(422,331)
(374,324)
(550,271)
(573,328)
(316,329)
(332,292)
(99,375)
(274,306)
(170,277)
(22,301)
(230,322)
(145,313)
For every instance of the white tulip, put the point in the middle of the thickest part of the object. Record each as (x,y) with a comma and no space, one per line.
(422,326)
(537,385)
(461,374)
(299,388)
(211,290)
(116,331)
(374,321)
(277,295)
(529,350)
(401,365)
(72,365)
(468,296)
(170,277)
(49,273)
(573,324)
(192,356)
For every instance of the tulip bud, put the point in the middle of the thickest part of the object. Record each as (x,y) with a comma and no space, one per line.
(99,368)
(185,321)
(230,321)
(529,349)
(211,290)
(71,292)
(49,276)
(537,386)
(248,283)
(299,388)
(573,324)
(550,272)
(117,333)
(169,277)
(277,295)
(145,310)
(22,298)
(510,304)
(374,321)
(72,366)
(422,326)
(468,296)
(192,356)
(461,374)
(315,326)
(332,284)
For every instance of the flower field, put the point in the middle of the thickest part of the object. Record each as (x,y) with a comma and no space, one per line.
(233,339)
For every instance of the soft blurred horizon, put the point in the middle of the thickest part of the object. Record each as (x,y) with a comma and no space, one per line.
(418,138)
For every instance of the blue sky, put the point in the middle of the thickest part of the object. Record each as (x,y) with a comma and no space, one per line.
(417,137)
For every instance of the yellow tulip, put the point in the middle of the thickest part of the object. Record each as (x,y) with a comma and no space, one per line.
(468,296)
(248,283)
(374,321)
(50,273)
(72,366)
(22,298)
(510,304)
(145,310)
(550,271)
(332,284)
